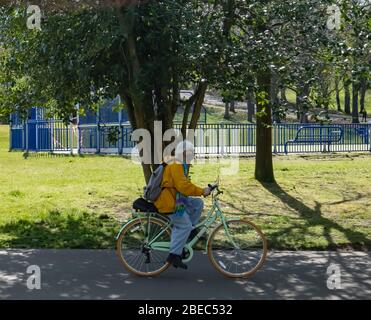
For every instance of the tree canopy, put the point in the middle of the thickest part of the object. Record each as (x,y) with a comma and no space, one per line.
(147,51)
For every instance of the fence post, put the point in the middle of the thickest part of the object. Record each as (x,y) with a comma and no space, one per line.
(274,127)
(23,135)
(222,142)
(37,135)
(78,134)
(98,131)
(120,137)
(26,137)
(54,132)
(10,133)
(217,140)
(71,137)
(320,135)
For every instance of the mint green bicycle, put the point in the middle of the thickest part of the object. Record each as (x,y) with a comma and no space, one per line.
(236,247)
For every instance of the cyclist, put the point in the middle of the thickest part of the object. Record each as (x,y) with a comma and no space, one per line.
(178,196)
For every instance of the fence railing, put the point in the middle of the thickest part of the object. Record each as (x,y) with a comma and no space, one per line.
(209,139)
(43,136)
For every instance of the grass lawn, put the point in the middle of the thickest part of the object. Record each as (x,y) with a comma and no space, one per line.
(215,114)
(291,97)
(319,201)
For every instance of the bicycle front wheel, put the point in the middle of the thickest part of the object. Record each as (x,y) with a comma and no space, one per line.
(237,250)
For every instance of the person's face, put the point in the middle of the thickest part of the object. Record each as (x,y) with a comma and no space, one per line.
(188,156)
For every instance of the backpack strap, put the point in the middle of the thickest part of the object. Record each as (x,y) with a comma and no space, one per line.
(185,169)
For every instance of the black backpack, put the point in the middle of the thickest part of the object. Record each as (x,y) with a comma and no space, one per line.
(144,206)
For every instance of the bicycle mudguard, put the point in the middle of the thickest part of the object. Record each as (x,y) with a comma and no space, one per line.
(123,227)
(139,216)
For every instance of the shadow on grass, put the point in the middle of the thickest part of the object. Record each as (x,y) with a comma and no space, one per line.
(61,230)
(46,155)
(313,217)
(43,155)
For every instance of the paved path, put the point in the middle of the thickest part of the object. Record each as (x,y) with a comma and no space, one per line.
(97,274)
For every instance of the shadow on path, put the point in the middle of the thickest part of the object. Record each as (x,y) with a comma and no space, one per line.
(98,274)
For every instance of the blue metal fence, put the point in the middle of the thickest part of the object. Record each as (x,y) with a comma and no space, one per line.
(42,136)
(353,137)
(92,136)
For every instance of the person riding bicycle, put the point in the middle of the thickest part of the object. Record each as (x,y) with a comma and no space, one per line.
(178,195)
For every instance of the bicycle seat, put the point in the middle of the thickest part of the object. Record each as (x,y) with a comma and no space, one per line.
(143,205)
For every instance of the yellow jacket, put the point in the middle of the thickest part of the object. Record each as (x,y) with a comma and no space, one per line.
(174,180)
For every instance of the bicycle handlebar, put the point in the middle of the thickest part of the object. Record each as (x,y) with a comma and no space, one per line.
(213,187)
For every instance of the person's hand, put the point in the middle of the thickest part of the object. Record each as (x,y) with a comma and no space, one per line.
(207,191)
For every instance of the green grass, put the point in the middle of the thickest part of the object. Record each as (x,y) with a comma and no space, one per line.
(320,201)
(291,97)
(215,114)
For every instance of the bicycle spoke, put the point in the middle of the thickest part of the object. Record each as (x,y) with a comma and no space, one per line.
(131,259)
(136,259)
(134,241)
(140,262)
(159,260)
(156,254)
(238,250)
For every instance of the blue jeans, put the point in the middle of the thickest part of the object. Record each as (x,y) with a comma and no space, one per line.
(182,226)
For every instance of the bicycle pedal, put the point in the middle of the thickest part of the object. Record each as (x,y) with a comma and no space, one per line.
(185,254)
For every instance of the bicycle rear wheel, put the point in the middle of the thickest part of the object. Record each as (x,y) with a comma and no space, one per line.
(239,250)
(134,250)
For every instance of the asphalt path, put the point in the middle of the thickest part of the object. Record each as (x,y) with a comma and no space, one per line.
(98,274)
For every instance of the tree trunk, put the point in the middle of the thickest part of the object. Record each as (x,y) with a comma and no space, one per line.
(140,108)
(250,103)
(301,103)
(347,96)
(338,103)
(283,94)
(226,110)
(190,102)
(303,117)
(198,104)
(297,106)
(274,98)
(362,93)
(264,160)
(232,106)
(355,89)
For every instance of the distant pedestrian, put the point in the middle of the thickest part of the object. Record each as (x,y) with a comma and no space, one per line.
(364,115)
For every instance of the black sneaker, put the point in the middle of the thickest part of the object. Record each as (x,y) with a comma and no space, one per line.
(176,261)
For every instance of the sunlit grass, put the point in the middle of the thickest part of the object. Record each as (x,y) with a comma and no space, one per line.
(215,114)
(320,201)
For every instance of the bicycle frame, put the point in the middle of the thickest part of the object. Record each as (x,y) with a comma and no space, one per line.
(213,214)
